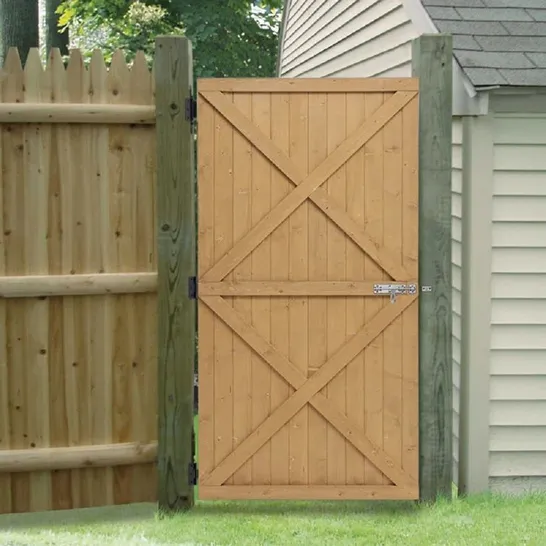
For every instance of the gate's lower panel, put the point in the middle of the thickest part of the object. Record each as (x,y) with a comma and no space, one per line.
(306,492)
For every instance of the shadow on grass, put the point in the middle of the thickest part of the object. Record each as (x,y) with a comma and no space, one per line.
(304,508)
(204,509)
(84,516)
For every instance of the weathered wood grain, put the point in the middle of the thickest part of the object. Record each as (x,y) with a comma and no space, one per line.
(432,64)
(78,364)
(176,263)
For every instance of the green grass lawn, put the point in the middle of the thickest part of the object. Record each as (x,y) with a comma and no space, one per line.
(481,521)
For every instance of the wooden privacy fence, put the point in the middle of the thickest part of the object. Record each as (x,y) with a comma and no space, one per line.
(78,349)
(308,199)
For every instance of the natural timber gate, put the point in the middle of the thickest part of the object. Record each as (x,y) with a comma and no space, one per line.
(308,264)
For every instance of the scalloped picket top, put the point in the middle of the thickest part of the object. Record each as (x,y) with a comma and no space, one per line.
(120,83)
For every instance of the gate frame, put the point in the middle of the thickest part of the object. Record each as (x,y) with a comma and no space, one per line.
(177,260)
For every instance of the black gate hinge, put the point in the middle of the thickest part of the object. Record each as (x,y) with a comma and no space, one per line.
(191,109)
(192,474)
(192,288)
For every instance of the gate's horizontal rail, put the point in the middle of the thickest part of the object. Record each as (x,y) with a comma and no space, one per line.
(71,458)
(77,113)
(35,286)
(308,85)
(290,288)
(307,492)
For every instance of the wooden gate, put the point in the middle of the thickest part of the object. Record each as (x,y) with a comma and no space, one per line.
(308,363)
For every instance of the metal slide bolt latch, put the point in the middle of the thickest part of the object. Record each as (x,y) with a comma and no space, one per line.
(392,296)
(393,290)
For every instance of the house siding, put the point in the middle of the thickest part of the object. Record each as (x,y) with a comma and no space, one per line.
(456,273)
(347,38)
(518,306)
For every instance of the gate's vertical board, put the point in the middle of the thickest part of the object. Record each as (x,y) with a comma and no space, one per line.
(223,241)
(318,271)
(299,258)
(242,355)
(206,259)
(337,314)
(355,272)
(373,355)
(261,269)
(392,335)
(280,327)
(410,319)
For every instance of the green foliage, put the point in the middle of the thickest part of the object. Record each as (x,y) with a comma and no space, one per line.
(235,38)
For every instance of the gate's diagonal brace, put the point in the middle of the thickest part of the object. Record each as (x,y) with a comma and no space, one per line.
(307,391)
(307,187)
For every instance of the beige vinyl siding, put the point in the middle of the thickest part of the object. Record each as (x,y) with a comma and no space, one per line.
(518,307)
(456,272)
(347,38)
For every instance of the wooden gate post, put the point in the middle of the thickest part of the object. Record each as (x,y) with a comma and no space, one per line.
(176,250)
(432,64)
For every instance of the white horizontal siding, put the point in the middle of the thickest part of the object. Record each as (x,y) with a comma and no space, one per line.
(506,439)
(518,413)
(347,38)
(512,311)
(518,387)
(456,259)
(518,336)
(518,306)
(402,70)
(518,362)
(519,463)
(327,29)
(519,260)
(517,157)
(528,183)
(518,234)
(518,285)
(302,23)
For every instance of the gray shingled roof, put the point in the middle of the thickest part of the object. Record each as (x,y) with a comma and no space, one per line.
(496,42)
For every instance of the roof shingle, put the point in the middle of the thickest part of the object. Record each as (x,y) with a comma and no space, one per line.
(496,42)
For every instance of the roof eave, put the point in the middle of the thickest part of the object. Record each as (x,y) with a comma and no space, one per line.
(425,25)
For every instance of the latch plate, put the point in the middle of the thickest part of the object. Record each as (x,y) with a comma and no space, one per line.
(390,289)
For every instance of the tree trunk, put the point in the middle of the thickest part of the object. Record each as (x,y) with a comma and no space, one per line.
(19,26)
(54,37)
